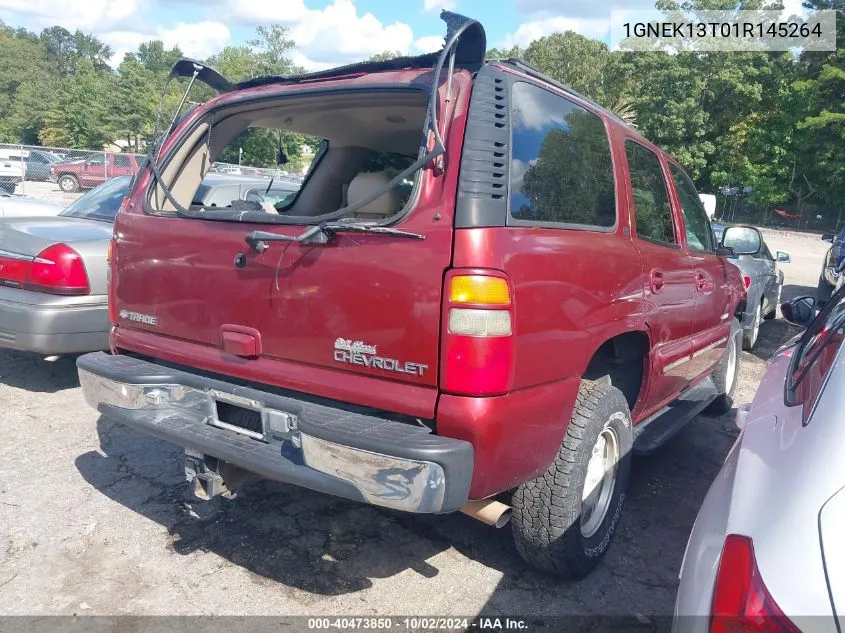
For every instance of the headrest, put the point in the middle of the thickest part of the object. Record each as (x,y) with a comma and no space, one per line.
(364,185)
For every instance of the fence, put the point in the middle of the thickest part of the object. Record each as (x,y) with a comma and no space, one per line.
(59,174)
(736,210)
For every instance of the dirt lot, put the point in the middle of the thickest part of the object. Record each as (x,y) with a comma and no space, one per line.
(96,519)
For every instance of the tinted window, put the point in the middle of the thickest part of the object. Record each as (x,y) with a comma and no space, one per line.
(102,202)
(121,160)
(561,170)
(651,201)
(699,233)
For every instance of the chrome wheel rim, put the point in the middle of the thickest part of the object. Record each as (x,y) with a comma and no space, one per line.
(65,184)
(730,374)
(599,481)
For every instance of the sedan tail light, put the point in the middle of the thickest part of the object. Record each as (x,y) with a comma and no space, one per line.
(58,269)
(741,602)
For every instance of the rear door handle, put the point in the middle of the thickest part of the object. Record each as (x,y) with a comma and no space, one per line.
(656,281)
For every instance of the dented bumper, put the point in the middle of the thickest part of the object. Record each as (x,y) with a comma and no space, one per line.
(315,443)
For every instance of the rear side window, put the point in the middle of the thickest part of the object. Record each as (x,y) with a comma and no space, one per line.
(561,171)
(651,200)
(699,233)
(121,160)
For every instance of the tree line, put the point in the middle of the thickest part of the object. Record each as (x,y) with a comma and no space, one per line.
(770,126)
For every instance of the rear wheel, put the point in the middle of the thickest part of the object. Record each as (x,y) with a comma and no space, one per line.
(726,375)
(68,183)
(823,293)
(563,521)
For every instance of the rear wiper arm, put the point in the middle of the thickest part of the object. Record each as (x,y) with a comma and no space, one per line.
(321,234)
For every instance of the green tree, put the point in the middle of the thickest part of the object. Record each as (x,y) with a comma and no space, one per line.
(27,85)
(384,56)
(574,60)
(79,118)
(155,57)
(68,48)
(133,102)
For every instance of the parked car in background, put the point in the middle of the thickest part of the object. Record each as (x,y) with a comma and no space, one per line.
(524,315)
(13,206)
(767,552)
(833,262)
(761,274)
(39,162)
(84,174)
(53,274)
(12,170)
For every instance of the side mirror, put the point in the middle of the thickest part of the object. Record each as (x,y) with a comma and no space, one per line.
(783,257)
(725,251)
(800,311)
(744,240)
(827,237)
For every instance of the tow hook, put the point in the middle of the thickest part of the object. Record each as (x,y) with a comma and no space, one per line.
(207,473)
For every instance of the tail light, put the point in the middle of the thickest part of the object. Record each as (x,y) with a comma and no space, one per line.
(58,269)
(109,284)
(478,350)
(741,602)
(747,281)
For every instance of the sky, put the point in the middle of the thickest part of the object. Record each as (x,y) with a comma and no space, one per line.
(327,32)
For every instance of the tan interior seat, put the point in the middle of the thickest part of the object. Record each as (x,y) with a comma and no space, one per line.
(365,184)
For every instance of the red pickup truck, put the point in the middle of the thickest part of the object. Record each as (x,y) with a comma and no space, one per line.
(544,300)
(86,174)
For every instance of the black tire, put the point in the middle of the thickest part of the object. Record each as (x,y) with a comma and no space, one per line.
(547,511)
(823,293)
(723,403)
(68,183)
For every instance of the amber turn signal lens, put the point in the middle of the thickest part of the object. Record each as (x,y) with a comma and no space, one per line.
(479,289)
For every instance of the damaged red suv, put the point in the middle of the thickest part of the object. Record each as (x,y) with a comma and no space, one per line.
(485,283)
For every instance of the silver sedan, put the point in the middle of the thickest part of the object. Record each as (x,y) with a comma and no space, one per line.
(53,292)
(761,273)
(767,551)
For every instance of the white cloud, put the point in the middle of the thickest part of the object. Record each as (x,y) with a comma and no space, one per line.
(87,15)
(436,5)
(527,32)
(429,43)
(333,35)
(199,39)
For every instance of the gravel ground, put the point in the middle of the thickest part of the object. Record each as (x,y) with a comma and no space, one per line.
(96,519)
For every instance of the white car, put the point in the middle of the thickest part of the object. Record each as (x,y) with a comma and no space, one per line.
(22,207)
(767,553)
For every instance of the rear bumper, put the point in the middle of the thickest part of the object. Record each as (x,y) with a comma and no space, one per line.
(47,324)
(315,443)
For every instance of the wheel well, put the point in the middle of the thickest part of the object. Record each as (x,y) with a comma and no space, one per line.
(622,359)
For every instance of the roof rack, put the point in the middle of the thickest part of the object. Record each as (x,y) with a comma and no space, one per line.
(536,73)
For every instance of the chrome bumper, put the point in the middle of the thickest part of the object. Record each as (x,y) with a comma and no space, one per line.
(292,444)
